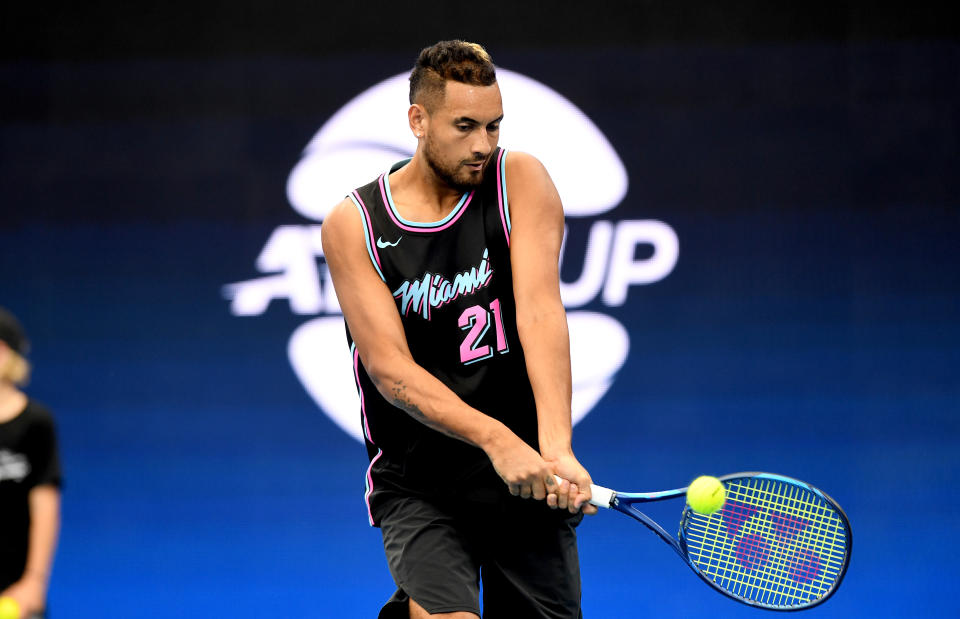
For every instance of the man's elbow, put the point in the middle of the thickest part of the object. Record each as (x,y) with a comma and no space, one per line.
(383,369)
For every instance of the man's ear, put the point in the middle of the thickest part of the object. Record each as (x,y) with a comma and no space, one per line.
(419,120)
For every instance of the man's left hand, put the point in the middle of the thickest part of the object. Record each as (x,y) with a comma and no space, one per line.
(574,491)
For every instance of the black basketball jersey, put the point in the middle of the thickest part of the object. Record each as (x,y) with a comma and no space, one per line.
(453,285)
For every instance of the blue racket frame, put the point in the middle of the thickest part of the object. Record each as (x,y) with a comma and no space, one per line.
(625,502)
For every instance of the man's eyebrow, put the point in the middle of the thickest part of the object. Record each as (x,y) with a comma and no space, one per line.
(467,119)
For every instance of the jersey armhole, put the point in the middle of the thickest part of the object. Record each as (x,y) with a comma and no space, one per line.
(502,201)
(368,233)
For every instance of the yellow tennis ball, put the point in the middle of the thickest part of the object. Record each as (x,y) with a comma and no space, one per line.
(9,609)
(706,495)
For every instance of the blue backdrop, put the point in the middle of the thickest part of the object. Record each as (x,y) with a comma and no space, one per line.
(810,327)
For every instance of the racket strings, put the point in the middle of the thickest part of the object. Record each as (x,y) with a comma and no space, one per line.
(755,552)
(774,543)
(763,552)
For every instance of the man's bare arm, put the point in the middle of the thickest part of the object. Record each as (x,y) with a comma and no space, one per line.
(536,216)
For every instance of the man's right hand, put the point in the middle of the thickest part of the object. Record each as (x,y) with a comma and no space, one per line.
(524,471)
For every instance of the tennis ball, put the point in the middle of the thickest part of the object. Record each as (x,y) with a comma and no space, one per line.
(9,609)
(706,495)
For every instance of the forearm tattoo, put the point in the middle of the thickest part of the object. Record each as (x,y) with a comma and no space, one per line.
(402,401)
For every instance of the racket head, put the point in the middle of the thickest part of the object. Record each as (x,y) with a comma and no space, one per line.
(777,543)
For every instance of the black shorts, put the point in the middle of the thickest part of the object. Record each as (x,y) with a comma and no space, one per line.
(524,553)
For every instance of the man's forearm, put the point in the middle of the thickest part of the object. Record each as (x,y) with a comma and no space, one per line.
(421,395)
(546,346)
(412,389)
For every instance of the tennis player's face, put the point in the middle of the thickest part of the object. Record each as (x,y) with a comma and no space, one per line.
(463,133)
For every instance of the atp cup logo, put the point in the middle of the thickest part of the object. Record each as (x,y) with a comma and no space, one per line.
(368,135)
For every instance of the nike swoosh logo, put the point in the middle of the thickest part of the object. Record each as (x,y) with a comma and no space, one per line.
(383,244)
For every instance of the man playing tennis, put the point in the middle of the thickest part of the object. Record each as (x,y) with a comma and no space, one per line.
(446,268)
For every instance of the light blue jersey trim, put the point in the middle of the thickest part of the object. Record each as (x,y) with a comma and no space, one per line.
(503,188)
(419,224)
(366,237)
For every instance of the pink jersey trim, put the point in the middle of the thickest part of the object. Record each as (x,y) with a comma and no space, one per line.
(366,432)
(427,227)
(368,222)
(366,497)
(363,407)
(500,196)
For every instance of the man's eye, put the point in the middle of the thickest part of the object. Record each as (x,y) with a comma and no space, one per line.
(493,127)
(464,127)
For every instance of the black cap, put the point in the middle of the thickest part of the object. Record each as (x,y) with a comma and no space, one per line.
(12,333)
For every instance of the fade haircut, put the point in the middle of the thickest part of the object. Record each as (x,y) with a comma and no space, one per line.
(454,60)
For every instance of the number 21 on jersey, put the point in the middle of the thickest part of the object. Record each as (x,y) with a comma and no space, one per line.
(476,321)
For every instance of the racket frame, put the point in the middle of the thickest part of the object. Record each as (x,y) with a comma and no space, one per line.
(625,503)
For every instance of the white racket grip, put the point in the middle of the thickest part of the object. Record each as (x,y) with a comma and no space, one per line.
(599,496)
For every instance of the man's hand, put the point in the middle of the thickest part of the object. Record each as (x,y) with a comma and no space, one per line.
(520,467)
(573,493)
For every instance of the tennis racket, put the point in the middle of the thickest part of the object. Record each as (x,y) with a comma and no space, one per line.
(777,543)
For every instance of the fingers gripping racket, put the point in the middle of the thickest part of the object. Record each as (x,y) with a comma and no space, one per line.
(777,543)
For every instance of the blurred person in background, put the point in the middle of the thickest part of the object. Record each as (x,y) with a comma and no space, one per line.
(29,480)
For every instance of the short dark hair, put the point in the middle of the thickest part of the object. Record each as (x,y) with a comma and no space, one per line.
(455,60)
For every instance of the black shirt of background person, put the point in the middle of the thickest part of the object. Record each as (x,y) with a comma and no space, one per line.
(28,458)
